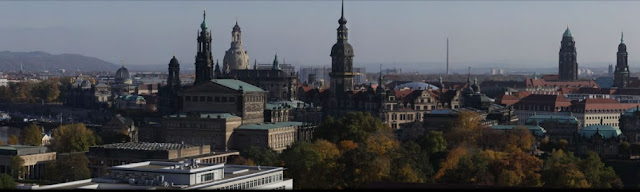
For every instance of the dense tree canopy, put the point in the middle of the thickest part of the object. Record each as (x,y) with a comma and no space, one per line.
(31,135)
(355,126)
(73,138)
(69,167)
(6,182)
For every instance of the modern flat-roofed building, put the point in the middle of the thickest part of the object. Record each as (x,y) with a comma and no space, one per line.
(35,159)
(104,156)
(188,175)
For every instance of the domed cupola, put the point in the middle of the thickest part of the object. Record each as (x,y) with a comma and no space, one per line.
(123,76)
(236,57)
(475,86)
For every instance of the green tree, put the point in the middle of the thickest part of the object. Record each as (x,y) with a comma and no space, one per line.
(355,126)
(302,161)
(16,165)
(31,135)
(261,155)
(597,174)
(73,138)
(13,140)
(70,167)
(433,142)
(6,182)
(411,164)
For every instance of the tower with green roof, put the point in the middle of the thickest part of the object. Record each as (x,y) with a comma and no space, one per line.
(204,59)
(621,74)
(568,64)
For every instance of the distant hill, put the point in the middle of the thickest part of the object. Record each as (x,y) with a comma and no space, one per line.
(39,61)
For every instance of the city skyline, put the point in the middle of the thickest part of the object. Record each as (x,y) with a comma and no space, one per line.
(136,34)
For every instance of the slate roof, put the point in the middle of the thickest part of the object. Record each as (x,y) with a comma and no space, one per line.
(237,84)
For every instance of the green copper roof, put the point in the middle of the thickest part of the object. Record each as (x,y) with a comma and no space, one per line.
(536,130)
(631,111)
(237,85)
(605,130)
(204,22)
(567,33)
(267,126)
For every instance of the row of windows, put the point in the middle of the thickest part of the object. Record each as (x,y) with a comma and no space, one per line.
(207,177)
(605,117)
(611,124)
(209,99)
(281,140)
(254,183)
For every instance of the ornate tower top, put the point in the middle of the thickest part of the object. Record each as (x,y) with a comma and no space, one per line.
(204,26)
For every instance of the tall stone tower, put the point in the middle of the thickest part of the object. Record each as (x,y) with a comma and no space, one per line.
(204,60)
(568,65)
(341,62)
(169,97)
(621,74)
(173,80)
(236,57)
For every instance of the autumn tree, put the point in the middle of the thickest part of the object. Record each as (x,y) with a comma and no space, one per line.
(6,182)
(16,165)
(560,170)
(239,160)
(13,140)
(466,129)
(31,135)
(73,138)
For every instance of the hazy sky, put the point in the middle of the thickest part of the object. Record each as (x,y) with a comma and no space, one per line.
(520,33)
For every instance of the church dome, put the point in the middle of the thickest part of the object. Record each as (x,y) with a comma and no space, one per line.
(417,86)
(236,58)
(123,76)
(174,61)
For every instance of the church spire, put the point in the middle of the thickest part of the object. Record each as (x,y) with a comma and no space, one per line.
(276,65)
(342,30)
(255,64)
(204,26)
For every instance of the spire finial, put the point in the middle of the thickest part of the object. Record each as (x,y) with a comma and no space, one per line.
(174,53)
(621,37)
(236,20)
(122,62)
(342,12)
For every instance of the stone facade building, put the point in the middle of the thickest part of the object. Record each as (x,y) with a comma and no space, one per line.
(35,159)
(194,128)
(226,95)
(280,85)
